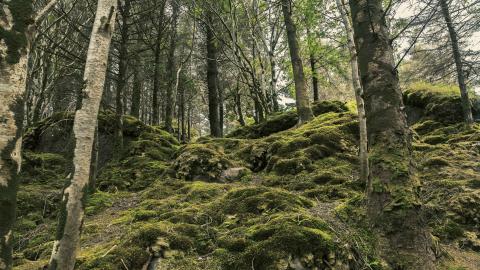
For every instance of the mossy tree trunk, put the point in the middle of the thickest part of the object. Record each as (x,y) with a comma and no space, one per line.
(17,26)
(212,82)
(12,86)
(74,195)
(303,104)
(394,208)
(313,68)
(357,87)
(466,106)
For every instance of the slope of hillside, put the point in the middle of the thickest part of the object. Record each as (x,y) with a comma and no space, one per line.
(270,196)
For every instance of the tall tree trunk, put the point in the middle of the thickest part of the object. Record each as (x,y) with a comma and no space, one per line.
(394,208)
(16,30)
(137,90)
(171,70)
(220,107)
(156,73)
(313,68)
(122,78)
(466,106)
(156,83)
(212,74)
(72,206)
(357,87)
(303,104)
(12,86)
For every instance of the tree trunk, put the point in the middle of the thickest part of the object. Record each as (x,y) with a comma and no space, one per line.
(12,86)
(212,74)
(313,68)
(122,79)
(466,106)
(156,84)
(156,73)
(14,50)
(357,87)
(171,71)
(303,104)
(72,206)
(136,91)
(394,208)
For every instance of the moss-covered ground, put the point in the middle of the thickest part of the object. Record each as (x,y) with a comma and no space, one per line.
(265,197)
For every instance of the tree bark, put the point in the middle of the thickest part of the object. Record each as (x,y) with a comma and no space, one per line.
(357,87)
(122,78)
(212,74)
(466,106)
(137,90)
(156,73)
(12,86)
(171,71)
(313,68)
(393,208)
(72,206)
(303,104)
(15,32)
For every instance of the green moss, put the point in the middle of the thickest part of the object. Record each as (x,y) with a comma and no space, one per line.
(133,173)
(292,165)
(327,106)
(200,162)
(275,123)
(438,102)
(283,241)
(450,230)
(256,200)
(99,201)
(435,139)
(436,161)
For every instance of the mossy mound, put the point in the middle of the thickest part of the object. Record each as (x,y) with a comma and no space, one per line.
(283,121)
(300,207)
(201,162)
(447,157)
(193,225)
(54,134)
(440,103)
(145,160)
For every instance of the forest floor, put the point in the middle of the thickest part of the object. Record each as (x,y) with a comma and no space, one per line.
(269,196)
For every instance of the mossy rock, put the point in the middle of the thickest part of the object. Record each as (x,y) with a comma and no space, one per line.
(133,173)
(441,103)
(327,106)
(44,168)
(435,139)
(284,121)
(292,165)
(285,241)
(257,200)
(200,162)
(275,123)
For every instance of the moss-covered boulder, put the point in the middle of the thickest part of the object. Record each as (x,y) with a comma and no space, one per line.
(201,162)
(285,120)
(437,102)
(146,159)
